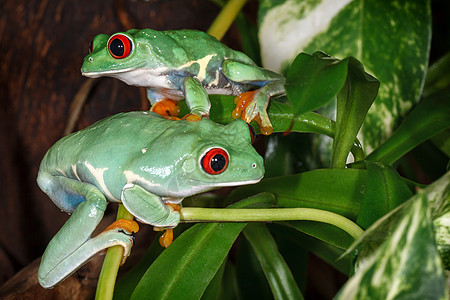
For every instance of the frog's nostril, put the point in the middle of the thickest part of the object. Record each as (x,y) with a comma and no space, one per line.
(91,59)
(254,165)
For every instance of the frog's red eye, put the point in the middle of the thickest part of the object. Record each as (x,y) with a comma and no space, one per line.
(252,133)
(215,161)
(120,46)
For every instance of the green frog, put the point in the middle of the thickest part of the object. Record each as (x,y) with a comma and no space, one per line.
(143,161)
(185,64)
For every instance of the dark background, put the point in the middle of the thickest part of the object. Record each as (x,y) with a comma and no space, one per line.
(42,47)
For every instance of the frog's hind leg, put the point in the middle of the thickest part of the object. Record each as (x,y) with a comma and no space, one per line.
(163,106)
(252,105)
(71,247)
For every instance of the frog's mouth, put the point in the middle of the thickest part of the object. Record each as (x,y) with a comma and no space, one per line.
(136,76)
(226,184)
(96,74)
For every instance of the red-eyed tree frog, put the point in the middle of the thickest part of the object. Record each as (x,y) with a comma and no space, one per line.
(185,64)
(143,161)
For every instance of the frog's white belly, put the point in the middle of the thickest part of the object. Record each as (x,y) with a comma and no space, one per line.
(142,77)
(159,81)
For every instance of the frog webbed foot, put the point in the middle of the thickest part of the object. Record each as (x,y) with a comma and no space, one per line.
(167,237)
(54,269)
(126,227)
(167,108)
(191,118)
(251,106)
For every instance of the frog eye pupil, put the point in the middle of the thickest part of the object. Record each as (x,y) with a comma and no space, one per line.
(218,162)
(215,161)
(120,46)
(117,47)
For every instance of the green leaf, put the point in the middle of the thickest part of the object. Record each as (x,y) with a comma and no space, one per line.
(390,38)
(277,272)
(428,118)
(438,195)
(184,270)
(344,194)
(214,288)
(337,190)
(442,141)
(438,77)
(406,264)
(353,102)
(295,255)
(250,277)
(326,233)
(385,191)
(194,258)
(328,253)
(441,227)
(229,282)
(313,81)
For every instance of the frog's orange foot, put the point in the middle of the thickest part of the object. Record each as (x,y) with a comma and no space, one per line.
(167,237)
(171,118)
(129,226)
(167,108)
(191,118)
(248,110)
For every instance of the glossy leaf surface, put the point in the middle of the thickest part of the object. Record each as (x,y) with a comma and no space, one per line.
(277,272)
(398,256)
(385,191)
(353,102)
(313,81)
(390,38)
(429,117)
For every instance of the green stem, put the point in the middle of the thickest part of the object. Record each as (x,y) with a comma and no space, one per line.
(226,16)
(196,214)
(111,264)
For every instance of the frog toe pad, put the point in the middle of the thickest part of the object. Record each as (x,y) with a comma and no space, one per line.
(191,118)
(249,108)
(166,108)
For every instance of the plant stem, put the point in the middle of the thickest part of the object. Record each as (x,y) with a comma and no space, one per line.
(224,19)
(196,214)
(111,264)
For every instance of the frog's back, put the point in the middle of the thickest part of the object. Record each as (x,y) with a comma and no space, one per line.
(189,45)
(95,144)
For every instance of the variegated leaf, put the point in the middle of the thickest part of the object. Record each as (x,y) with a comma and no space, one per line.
(390,38)
(398,257)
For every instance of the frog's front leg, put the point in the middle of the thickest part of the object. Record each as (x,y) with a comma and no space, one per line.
(148,208)
(196,99)
(252,105)
(71,247)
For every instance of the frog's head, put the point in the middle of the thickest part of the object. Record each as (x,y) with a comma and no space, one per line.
(223,155)
(119,53)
